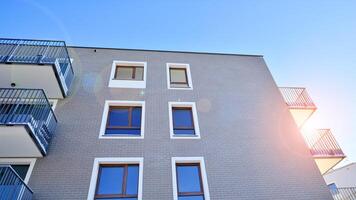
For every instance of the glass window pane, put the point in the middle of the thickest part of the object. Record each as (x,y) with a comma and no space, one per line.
(191,198)
(178,76)
(21,170)
(110,180)
(188,179)
(117,198)
(124,73)
(182,118)
(184,132)
(123,131)
(139,73)
(136,117)
(118,117)
(132,180)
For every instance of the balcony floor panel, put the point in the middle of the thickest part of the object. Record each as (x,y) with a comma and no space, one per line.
(325,164)
(301,115)
(16,141)
(31,76)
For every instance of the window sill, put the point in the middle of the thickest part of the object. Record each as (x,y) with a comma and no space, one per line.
(127,84)
(185,136)
(121,136)
(180,88)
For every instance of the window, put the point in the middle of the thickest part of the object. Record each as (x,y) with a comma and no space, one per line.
(117,181)
(122,119)
(183,120)
(189,179)
(22,166)
(116,178)
(128,74)
(333,188)
(178,76)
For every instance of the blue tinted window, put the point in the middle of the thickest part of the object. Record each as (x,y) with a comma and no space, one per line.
(182,118)
(124,120)
(332,187)
(188,178)
(110,180)
(191,198)
(132,180)
(136,117)
(123,131)
(118,117)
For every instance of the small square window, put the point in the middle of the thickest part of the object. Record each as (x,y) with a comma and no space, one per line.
(117,181)
(178,76)
(183,120)
(122,119)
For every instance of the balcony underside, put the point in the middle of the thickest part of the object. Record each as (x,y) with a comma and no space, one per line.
(18,141)
(32,76)
(301,115)
(326,163)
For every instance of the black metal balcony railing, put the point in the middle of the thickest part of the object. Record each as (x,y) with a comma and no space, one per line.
(322,143)
(12,187)
(29,107)
(346,193)
(39,52)
(297,98)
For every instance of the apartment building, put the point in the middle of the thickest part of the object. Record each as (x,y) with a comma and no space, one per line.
(105,123)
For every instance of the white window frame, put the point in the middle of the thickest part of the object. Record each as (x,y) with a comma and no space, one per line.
(20,161)
(114,83)
(200,161)
(115,160)
(182,66)
(109,103)
(195,119)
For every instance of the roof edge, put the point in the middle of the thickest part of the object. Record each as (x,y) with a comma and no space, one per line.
(166,51)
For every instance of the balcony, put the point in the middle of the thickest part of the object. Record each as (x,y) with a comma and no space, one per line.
(326,151)
(36,64)
(12,187)
(27,123)
(347,193)
(299,103)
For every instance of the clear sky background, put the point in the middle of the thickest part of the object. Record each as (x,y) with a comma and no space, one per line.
(305,43)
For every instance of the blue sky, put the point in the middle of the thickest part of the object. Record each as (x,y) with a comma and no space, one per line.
(305,43)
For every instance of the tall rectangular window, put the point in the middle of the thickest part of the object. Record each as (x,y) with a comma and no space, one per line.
(124,120)
(183,120)
(183,123)
(117,181)
(189,179)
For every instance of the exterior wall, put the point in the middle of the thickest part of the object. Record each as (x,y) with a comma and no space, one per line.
(250,143)
(342,177)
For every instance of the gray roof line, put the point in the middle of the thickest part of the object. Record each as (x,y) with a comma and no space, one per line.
(165,51)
